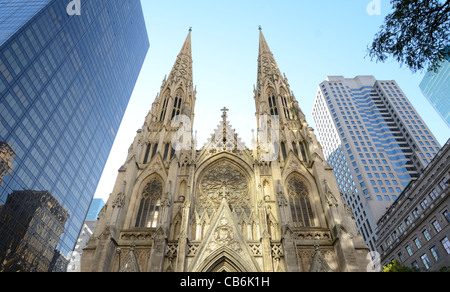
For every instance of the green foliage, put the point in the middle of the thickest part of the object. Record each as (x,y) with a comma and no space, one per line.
(397,267)
(416,34)
(445,270)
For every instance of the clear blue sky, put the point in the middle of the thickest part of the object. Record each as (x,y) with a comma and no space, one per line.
(309,39)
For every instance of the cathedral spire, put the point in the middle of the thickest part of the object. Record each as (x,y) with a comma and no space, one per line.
(267,66)
(177,96)
(186,50)
(263,46)
(182,69)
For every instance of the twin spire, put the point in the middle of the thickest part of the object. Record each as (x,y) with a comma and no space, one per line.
(263,46)
(267,66)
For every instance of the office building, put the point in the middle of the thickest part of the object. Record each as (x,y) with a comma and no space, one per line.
(65,83)
(375,140)
(94,209)
(38,222)
(416,229)
(436,88)
(15,14)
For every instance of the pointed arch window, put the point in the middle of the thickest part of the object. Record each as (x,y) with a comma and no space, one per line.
(302,150)
(150,205)
(283,150)
(302,214)
(177,104)
(273,104)
(147,153)
(164,107)
(164,110)
(155,150)
(287,112)
(166,152)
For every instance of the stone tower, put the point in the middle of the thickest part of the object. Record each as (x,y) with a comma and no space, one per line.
(225,207)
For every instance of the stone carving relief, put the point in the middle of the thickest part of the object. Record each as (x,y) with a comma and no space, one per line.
(223,236)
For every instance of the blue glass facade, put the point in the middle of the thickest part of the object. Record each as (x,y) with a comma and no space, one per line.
(436,88)
(16,13)
(94,210)
(65,83)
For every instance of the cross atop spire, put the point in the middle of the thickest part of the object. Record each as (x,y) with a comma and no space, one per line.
(263,46)
(186,50)
(224,115)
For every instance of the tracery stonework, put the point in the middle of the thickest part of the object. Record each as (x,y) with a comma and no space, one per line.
(224,206)
(223,182)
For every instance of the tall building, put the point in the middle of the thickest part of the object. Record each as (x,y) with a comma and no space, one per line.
(65,83)
(15,14)
(94,209)
(224,207)
(38,221)
(436,88)
(375,140)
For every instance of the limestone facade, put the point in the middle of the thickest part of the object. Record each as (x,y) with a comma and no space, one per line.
(225,207)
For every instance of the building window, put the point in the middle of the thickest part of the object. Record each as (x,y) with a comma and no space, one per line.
(437,226)
(287,113)
(409,250)
(424,204)
(177,104)
(426,261)
(416,212)
(150,205)
(303,152)
(166,152)
(147,153)
(446,244)
(434,194)
(164,109)
(283,150)
(435,253)
(417,243)
(155,149)
(273,104)
(443,183)
(446,214)
(302,214)
(426,235)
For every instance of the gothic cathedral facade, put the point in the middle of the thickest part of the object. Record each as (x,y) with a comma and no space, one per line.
(225,207)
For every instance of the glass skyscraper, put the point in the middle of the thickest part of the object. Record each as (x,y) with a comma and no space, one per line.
(436,88)
(15,13)
(94,209)
(65,83)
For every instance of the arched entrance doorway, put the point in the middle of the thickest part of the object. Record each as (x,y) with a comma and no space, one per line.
(225,265)
(225,260)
